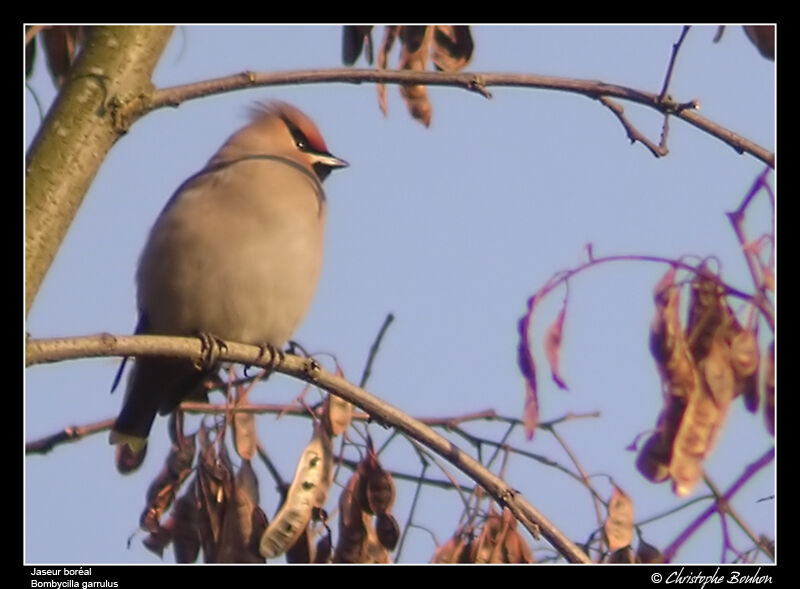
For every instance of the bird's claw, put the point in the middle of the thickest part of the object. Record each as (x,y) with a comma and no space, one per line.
(212,347)
(276,356)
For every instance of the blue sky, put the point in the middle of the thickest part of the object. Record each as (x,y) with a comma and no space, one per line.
(450,228)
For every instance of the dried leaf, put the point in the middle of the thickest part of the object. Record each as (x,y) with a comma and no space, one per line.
(352,533)
(380,489)
(247,481)
(389,35)
(177,467)
(483,548)
(763,37)
(452,47)
(212,473)
(648,554)
(234,543)
(769,389)
(61,46)
(414,56)
(527,367)
(622,556)
(693,442)
(354,38)
(718,373)
(158,540)
(451,551)
(656,454)
(745,358)
(337,414)
(619,524)
(516,550)
(373,552)
(707,313)
(186,533)
(552,345)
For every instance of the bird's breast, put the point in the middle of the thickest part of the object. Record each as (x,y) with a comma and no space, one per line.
(236,255)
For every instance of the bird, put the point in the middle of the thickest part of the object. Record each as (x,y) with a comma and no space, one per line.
(236,254)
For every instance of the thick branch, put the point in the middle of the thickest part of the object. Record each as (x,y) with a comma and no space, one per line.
(474,82)
(78,132)
(54,350)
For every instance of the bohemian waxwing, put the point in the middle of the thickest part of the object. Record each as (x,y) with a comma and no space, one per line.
(236,254)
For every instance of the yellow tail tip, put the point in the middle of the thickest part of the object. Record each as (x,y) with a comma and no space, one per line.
(135,443)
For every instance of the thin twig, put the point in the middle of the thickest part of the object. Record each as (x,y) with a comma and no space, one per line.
(68,434)
(280,483)
(373,350)
(633,133)
(414,501)
(736,219)
(748,473)
(585,478)
(725,506)
(675,48)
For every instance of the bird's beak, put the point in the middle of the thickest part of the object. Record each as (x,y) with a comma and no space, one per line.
(331,161)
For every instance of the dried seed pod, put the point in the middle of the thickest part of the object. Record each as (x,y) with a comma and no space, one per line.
(656,454)
(352,533)
(648,554)
(516,550)
(388,530)
(373,551)
(707,312)
(177,467)
(309,490)
(244,430)
(337,414)
(414,56)
(186,534)
(745,358)
(322,554)
(450,552)
(619,524)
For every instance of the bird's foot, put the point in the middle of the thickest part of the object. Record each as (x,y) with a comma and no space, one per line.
(276,356)
(212,347)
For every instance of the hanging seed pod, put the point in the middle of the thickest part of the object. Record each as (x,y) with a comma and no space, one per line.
(309,490)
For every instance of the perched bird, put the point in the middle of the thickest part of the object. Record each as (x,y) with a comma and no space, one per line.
(236,254)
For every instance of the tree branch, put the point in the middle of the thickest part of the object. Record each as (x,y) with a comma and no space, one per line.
(471,81)
(77,133)
(308,370)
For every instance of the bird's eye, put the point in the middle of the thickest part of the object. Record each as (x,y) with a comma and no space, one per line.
(300,140)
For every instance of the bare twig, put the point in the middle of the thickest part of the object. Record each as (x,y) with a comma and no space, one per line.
(724,506)
(410,518)
(748,473)
(373,350)
(675,48)
(633,133)
(598,504)
(736,218)
(68,434)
